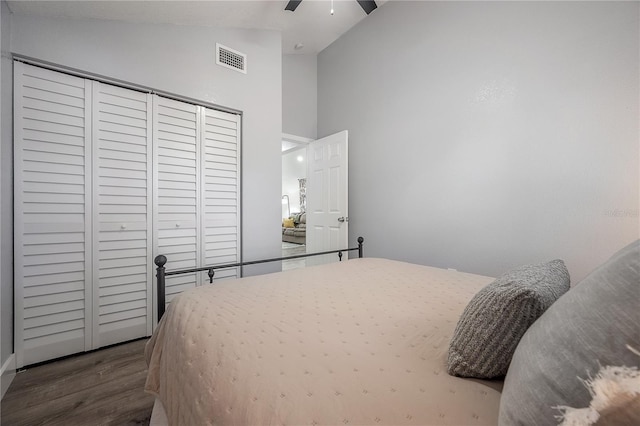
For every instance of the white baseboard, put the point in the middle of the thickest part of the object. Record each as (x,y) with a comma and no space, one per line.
(7,373)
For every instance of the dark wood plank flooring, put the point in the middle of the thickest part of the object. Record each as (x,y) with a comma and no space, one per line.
(105,387)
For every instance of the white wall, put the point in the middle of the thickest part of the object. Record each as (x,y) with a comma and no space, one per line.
(485,135)
(299,95)
(292,170)
(181,60)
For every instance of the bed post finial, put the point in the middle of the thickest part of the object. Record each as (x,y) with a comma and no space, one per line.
(360,252)
(160,261)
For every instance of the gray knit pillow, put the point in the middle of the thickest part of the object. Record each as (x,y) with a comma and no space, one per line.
(497,317)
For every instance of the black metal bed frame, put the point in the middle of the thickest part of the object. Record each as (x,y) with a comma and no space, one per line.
(161,273)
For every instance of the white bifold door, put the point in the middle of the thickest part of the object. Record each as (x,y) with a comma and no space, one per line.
(177,191)
(52,221)
(197,192)
(220,189)
(122,236)
(105,179)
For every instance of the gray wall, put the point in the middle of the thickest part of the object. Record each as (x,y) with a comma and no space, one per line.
(6,188)
(485,135)
(181,60)
(299,95)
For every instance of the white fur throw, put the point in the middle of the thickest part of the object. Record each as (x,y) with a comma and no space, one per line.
(613,387)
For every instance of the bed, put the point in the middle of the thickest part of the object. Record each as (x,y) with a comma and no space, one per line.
(370,341)
(362,341)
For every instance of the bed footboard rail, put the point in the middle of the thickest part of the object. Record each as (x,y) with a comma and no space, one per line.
(162,273)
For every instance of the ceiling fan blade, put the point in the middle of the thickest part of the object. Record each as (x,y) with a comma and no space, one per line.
(292,5)
(367,5)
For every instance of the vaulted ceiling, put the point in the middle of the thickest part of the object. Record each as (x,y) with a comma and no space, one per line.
(311,25)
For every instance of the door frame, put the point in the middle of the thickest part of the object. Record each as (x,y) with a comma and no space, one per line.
(296,141)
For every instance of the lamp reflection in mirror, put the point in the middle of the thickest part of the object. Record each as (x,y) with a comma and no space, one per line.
(285,200)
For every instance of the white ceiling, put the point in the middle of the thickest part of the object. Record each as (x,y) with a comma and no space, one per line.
(311,24)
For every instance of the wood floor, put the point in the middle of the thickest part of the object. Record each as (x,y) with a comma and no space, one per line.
(105,387)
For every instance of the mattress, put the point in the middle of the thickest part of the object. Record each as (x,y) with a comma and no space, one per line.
(358,342)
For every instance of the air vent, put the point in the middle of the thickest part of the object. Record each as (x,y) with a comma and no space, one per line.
(231,58)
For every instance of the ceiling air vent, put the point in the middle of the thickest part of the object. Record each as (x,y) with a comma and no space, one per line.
(231,58)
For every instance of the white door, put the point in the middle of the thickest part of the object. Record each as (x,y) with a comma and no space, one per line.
(52,245)
(176,151)
(220,209)
(327,196)
(122,262)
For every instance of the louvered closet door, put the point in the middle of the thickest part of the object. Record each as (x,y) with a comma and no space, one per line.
(221,190)
(122,226)
(52,252)
(177,188)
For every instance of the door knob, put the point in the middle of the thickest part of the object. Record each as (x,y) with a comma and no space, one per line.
(343,219)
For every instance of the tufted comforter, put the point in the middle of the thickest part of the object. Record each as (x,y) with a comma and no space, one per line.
(358,342)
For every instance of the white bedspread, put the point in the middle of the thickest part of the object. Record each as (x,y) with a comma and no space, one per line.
(359,342)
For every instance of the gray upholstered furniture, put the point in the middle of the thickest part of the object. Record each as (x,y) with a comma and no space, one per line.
(297,234)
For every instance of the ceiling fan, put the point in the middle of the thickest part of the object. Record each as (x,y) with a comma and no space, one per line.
(367,5)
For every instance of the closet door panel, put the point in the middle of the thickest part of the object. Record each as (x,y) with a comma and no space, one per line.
(221,190)
(177,195)
(52,161)
(122,207)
